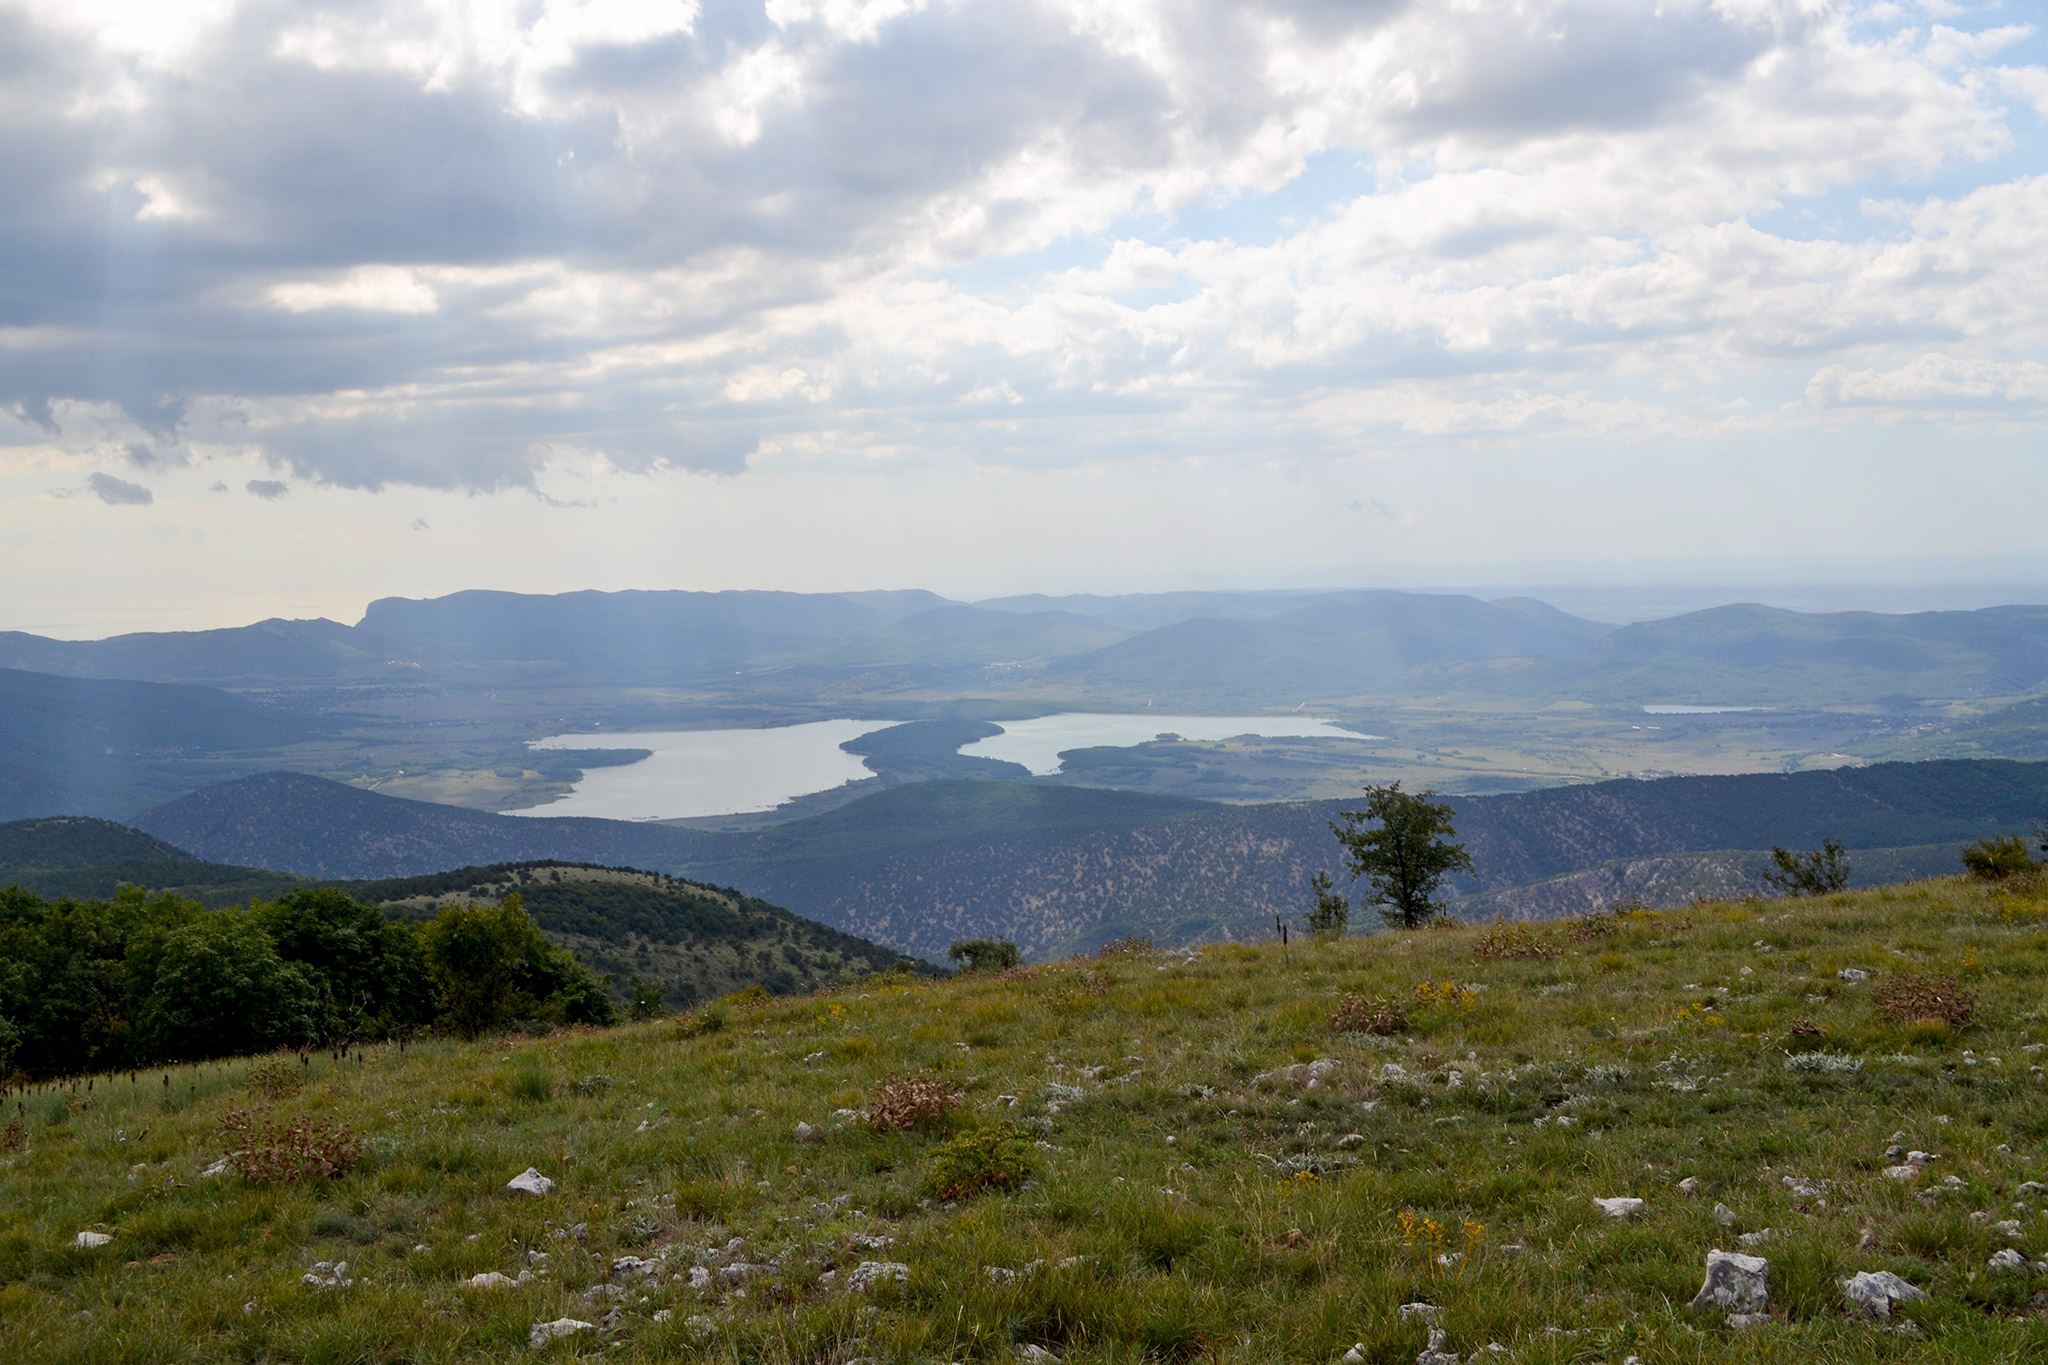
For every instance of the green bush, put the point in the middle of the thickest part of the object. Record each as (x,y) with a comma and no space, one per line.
(997,1157)
(985,954)
(1998,858)
(494,968)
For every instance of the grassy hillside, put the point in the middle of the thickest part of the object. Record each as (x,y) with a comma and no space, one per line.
(1215,1171)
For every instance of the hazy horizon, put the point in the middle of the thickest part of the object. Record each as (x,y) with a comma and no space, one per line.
(308,304)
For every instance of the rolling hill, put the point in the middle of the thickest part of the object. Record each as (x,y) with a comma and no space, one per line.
(1059,868)
(78,746)
(700,942)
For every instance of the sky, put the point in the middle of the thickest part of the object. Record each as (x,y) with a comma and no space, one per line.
(303,304)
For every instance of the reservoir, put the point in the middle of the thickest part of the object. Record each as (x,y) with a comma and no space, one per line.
(709,772)
(1037,744)
(726,772)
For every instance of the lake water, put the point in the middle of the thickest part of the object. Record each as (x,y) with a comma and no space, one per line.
(1037,744)
(710,772)
(1699,710)
(725,772)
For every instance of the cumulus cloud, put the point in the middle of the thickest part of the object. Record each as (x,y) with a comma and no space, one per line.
(118,492)
(461,246)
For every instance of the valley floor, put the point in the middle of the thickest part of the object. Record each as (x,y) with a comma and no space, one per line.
(1220,1173)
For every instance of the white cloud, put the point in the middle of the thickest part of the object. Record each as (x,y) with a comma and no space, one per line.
(376,288)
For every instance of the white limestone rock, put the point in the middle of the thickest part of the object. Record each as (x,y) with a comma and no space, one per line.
(868,1274)
(1873,1292)
(1735,1283)
(541,1333)
(530,1181)
(1620,1207)
(89,1239)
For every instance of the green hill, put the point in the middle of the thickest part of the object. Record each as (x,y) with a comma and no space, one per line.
(697,941)
(700,942)
(1145,1157)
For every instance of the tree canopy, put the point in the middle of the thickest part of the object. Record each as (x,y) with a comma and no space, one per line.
(1401,845)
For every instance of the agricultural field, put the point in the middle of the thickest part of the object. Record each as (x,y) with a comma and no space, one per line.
(1390,1147)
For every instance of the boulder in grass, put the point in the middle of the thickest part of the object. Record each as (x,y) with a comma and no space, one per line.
(530,1181)
(1735,1283)
(1873,1292)
(89,1239)
(1621,1207)
(2011,1261)
(492,1279)
(541,1333)
(868,1274)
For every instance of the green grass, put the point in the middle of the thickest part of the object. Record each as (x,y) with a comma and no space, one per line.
(1184,1213)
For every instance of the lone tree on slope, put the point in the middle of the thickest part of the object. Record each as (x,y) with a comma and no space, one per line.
(1818,873)
(1401,844)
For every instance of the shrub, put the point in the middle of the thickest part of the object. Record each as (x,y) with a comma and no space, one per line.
(494,968)
(276,1079)
(1327,922)
(998,1157)
(1445,993)
(14,1137)
(1913,999)
(1128,944)
(1818,873)
(905,1102)
(985,954)
(300,1150)
(1511,941)
(1997,859)
(1382,1015)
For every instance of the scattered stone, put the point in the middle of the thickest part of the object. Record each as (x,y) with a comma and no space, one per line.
(541,1333)
(1620,1207)
(634,1265)
(89,1239)
(1852,974)
(1434,1353)
(999,1274)
(530,1181)
(539,1258)
(217,1169)
(1735,1283)
(664,1314)
(739,1272)
(813,1058)
(697,1325)
(1724,1215)
(603,1291)
(1690,1185)
(1393,1071)
(1757,1238)
(1873,1292)
(805,1133)
(492,1279)
(2032,1189)
(1356,1355)
(700,1278)
(868,1274)
(1742,1322)
(1350,1140)
(1036,1355)
(1907,1172)
(328,1275)
(1803,1189)
(2010,1260)
(1427,1312)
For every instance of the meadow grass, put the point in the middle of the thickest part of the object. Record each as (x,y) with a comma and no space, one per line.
(1187,1196)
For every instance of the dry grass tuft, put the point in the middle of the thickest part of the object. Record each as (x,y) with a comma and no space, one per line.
(1909,998)
(906,1101)
(298,1151)
(1512,941)
(1380,1014)
(276,1079)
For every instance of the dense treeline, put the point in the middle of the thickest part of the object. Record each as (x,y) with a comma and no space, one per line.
(138,979)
